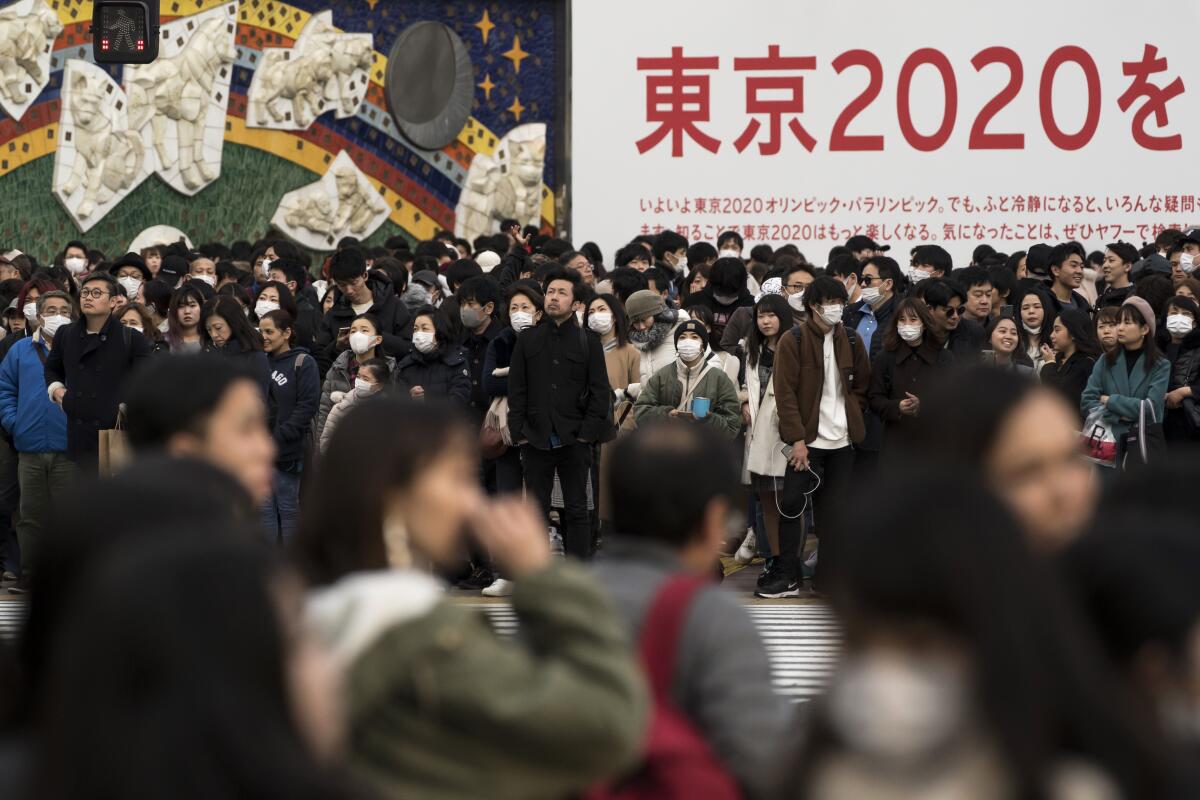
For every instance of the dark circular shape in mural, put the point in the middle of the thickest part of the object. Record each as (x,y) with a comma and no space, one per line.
(430,84)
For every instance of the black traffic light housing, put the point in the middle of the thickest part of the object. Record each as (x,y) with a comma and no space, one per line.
(125,31)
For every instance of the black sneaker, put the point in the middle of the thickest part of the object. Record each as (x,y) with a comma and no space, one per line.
(779,586)
(21,586)
(768,572)
(480,578)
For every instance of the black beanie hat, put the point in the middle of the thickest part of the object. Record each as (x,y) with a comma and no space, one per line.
(692,326)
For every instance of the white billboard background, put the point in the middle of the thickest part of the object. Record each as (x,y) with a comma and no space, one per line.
(1125,191)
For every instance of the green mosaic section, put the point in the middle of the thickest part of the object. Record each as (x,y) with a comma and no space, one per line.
(238,205)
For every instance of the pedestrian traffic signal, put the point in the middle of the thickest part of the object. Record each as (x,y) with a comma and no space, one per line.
(125,31)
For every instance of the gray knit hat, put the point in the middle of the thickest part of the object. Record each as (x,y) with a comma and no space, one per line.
(1144,309)
(644,303)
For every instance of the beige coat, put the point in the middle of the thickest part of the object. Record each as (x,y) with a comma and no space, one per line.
(764,455)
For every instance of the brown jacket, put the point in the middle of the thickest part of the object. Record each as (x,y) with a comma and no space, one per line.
(800,377)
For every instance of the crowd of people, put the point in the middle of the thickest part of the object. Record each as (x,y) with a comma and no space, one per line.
(236,484)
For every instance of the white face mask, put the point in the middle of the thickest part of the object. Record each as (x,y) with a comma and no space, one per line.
(131,285)
(730,254)
(796,301)
(30,311)
(918,275)
(689,349)
(600,321)
(423,341)
(681,264)
(266,265)
(895,709)
(264,307)
(50,325)
(211,280)
(870,295)
(521,320)
(75,264)
(363,387)
(137,328)
(725,299)
(1187,262)
(910,333)
(1179,324)
(832,313)
(1032,331)
(361,342)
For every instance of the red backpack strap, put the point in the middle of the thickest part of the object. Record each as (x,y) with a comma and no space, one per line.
(663,627)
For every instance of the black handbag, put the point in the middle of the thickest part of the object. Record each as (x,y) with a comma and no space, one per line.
(1191,415)
(1145,441)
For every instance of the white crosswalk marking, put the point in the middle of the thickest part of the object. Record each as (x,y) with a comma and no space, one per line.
(802,641)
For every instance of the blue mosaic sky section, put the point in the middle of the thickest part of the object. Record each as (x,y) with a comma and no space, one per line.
(531,20)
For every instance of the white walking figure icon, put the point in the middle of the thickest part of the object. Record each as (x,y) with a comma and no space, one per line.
(122,28)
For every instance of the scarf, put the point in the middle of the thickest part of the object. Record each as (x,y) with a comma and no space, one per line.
(689,379)
(651,339)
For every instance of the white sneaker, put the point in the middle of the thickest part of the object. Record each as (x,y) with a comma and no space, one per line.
(749,549)
(499,588)
(556,542)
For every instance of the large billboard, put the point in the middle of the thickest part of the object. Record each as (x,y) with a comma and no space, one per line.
(929,122)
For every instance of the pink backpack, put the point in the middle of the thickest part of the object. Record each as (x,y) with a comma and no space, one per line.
(677,762)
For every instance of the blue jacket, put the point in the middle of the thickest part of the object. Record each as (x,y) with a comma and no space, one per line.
(37,425)
(1125,390)
(295,393)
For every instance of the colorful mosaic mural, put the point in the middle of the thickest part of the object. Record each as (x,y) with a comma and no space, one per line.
(514,51)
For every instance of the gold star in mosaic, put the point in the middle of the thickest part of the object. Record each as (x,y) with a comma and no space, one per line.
(485,24)
(372,3)
(516,109)
(487,86)
(516,54)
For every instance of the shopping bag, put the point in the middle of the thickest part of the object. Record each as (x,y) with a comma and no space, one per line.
(1099,442)
(114,450)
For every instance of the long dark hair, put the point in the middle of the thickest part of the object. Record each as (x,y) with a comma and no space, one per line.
(1082,332)
(1049,313)
(755,341)
(891,334)
(620,318)
(189,290)
(231,311)
(1150,351)
(378,450)
(191,687)
(1041,686)
(287,302)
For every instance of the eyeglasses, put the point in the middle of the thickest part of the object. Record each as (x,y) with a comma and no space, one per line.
(795,287)
(867,280)
(952,311)
(95,294)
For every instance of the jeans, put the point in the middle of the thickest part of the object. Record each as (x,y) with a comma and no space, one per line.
(45,479)
(281,510)
(835,468)
(573,463)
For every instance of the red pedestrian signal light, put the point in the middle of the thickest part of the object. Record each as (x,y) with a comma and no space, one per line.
(125,31)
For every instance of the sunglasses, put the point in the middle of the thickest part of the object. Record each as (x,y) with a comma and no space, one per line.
(951,311)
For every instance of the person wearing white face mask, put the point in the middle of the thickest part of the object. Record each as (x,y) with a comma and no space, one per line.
(365,345)
(1182,421)
(692,388)
(912,357)
(203,269)
(131,272)
(38,428)
(670,249)
(374,376)
(869,318)
(437,368)
(820,379)
(75,258)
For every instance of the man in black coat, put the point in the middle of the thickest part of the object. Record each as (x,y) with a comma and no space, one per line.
(293,274)
(559,402)
(964,337)
(88,365)
(362,294)
(478,299)
(869,318)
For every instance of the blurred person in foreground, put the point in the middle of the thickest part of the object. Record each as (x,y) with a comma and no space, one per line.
(954,685)
(439,705)
(670,521)
(1020,437)
(201,694)
(1135,574)
(207,407)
